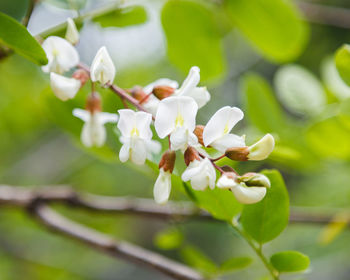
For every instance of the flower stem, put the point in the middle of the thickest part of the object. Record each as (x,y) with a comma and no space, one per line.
(258,251)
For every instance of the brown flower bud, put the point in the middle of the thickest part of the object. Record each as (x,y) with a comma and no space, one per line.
(198,131)
(138,93)
(237,153)
(162,92)
(93,103)
(168,161)
(82,76)
(190,155)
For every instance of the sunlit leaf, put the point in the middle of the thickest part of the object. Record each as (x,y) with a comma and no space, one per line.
(168,239)
(235,264)
(14,8)
(290,261)
(342,62)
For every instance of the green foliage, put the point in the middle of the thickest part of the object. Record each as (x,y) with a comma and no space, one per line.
(274,26)
(68,4)
(169,239)
(16,37)
(342,62)
(14,8)
(122,17)
(261,106)
(290,261)
(234,264)
(193,38)
(266,219)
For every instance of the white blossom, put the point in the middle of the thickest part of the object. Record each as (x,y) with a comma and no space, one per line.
(63,87)
(201,173)
(102,68)
(94,132)
(72,34)
(176,116)
(61,55)
(217,131)
(162,187)
(261,149)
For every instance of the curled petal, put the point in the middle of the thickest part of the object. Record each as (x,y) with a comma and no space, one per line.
(160,82)
(126,121)
(93,133)
(221,123)
(102,67)
(162,187)
(228,141)
(72,34)
(190,82)
(124,152)
(138,151)
(64,88)
(200,95)
(262,149)
(248,195)
(225,182)
(107,117)
(82,114)
(193,169)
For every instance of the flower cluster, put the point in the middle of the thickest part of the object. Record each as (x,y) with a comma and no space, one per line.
(172,110)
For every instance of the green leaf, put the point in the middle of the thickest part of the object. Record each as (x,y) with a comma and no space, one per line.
(342,62)
(261,106)
(222,204)
(290,261)
(235,264)
(299,90)
(273,26)
(266,219)
(168,239)
(68,4)
(193,38)
(16,37)
(14,8)
(123,17)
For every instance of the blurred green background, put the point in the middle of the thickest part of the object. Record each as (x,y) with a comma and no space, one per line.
(266,56)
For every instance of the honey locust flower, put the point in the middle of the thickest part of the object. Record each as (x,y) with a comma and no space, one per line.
(162,186)
(217,131)
(61,55)
(189,88)
(63,87)
(102,68)
(94,132)
(72,34)
(176,116)
(136,136)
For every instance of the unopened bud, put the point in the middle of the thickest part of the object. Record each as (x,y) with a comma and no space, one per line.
(138,93)
(262,149)
(191,154)
(168,161)
(82,76)
(255,180)
(198,131)
(162,92)
(72,34)
(237,153)
(93,103)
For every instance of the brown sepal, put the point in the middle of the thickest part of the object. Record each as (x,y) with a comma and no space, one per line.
(237,153)
(93,103)
(81,75)
(190,155)
(198,131)
(167,161)
(162,92)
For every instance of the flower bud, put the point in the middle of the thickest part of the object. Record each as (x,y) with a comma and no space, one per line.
(63,87)
(237,153)
(163,91)
(82,76)
(255,180)
(261,149)
(72,34)
(191,154)
(102,68)
(168,161)
(138,93)
(198,131)
(93,103)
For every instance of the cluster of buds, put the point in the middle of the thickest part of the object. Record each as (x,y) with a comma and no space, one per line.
(172,110)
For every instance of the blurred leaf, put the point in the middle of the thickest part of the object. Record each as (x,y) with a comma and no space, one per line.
(261,106)
(235,264)
(17,37)
(193,38)
(123,17)
(14,8)
(274,26)
(68,4)
(169,239)
(290,261)
(342,62)
(222,204)
(299,90)
(337,225)
(197,259)
(266,219)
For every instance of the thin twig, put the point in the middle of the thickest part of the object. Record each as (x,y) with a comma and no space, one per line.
(30,9)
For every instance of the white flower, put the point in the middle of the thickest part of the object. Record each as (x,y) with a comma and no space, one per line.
(217,131)
(136,136)
(94,132)
(64,88)
(244,194)
(102,68)
(261,149)
(72,34)
(162,187)
(62,56)
(201,173)
(176,116)
(189,88)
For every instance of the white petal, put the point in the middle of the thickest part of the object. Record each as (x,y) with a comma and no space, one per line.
(192,169)
(102,68)
(105,117)
(98,131)
(221,123)
(86,135)
(166,116)
(248,195)
(225,182)
(262,149)
(160,82)
(200,95)
(151,105)
(190,82)
(72,34)
(124,152)
(64,88)
(143,121)
(162,187)
(187,108)
(228,141)
(178,139)
(126,121)
(199,182)
(138,151)
(153,147)
(82,114)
